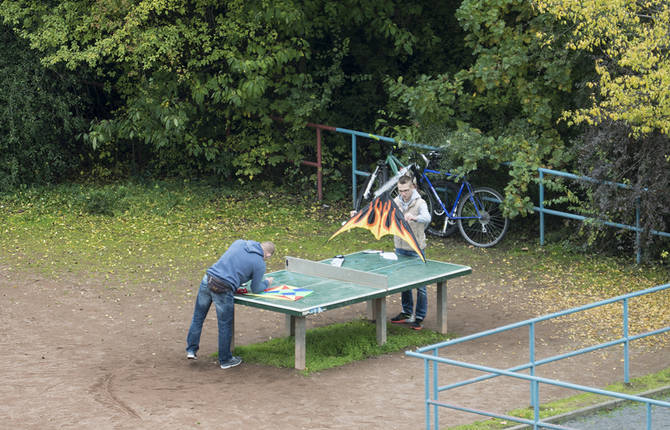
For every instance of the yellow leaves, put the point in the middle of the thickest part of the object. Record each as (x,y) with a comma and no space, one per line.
(578,283)
(640,92)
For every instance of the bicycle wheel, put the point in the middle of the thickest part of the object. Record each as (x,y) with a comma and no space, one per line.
(483,224)
(440,224)
(370,184)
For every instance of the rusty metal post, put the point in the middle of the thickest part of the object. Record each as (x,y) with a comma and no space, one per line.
(318,164)
(319,172)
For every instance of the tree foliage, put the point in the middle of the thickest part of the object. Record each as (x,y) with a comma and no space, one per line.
(629,40)
(627,122)
(197,84)
(224,88)
(610,153)
(503,103)
(40,112)
(181,75)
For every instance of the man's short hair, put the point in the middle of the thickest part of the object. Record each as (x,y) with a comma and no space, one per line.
(406,179)
(268,247)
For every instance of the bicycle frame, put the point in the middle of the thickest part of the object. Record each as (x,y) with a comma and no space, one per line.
(479,223)
(451,214)
(391,183)
(391,161)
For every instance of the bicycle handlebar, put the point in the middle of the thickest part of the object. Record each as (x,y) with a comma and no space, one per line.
(432,156)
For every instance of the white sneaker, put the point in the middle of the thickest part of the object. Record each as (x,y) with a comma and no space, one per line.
(191,355)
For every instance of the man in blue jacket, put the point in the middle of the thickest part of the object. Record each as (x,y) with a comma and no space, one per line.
(243,261)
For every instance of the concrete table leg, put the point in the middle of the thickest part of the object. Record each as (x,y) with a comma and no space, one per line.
(370,311)
(379,314)
(300,343)
(290,325)
(441,304)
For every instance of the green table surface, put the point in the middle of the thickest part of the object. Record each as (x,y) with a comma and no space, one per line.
(403,274)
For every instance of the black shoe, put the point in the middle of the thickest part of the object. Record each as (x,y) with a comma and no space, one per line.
(401,318)
(416,325)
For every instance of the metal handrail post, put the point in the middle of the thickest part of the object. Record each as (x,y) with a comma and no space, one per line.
(535,386)
(426,381)
(318,163)
(638,232)
(436,391)
(626,344)
(319,167)
(531,351)
(541,208)
(353,168)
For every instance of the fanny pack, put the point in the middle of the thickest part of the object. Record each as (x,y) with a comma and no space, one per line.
(216,285)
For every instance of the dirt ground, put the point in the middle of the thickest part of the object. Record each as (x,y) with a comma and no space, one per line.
(77,355)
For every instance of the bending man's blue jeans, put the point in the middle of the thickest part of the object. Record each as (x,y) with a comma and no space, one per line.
(224,304)
(421,295)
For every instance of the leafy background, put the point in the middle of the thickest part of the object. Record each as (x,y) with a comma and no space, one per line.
(150,90)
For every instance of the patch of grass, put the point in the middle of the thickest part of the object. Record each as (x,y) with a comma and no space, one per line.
(573,403)
(337,345)
(104,201)
(133,235)
(166,231)
(163,235)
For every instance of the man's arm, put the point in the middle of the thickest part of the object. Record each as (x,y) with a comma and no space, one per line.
(424,215)
(258,284)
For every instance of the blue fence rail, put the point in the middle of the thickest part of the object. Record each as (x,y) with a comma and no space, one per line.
(355,173)
(354,161)
(542,210)
(430,355)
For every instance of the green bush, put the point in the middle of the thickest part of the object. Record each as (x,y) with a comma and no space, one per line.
(41,112)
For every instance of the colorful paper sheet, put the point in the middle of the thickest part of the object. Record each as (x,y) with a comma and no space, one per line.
(283,292)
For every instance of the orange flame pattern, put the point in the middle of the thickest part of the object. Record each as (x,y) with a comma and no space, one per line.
(382,217)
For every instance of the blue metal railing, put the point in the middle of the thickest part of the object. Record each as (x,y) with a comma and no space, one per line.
(542,171)
(542,210)
(354,169)
(430,356)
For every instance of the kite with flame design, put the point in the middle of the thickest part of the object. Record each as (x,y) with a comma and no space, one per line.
(382,216)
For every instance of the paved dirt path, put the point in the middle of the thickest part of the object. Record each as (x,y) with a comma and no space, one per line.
(74,354)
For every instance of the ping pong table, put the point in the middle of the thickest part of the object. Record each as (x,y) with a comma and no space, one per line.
(365,276)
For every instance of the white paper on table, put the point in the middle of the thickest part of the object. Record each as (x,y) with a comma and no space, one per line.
(389,255)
